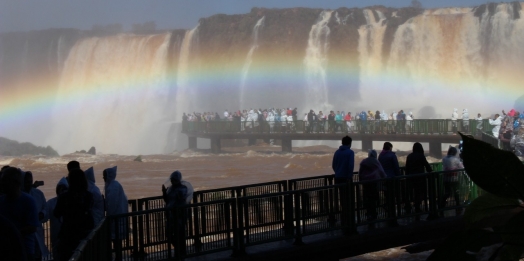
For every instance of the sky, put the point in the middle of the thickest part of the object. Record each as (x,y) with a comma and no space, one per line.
(27,15)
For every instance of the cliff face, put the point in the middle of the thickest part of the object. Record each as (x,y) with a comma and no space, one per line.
(14,148)
(348,59)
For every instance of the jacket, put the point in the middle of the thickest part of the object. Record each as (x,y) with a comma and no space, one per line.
(388,160)
(343,162)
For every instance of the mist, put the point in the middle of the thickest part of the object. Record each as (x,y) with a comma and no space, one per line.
(122,81)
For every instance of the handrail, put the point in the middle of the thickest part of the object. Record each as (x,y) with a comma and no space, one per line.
(237,223)
(372,126)
(96,246)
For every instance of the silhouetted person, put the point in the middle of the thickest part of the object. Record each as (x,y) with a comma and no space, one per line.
(38,196)
(389,162)
(370,169)
(344,162)
(416,163)
(11,243)
(343,165)
(73,165)
(73,207)
(177,195)
(55,223)
(19,208)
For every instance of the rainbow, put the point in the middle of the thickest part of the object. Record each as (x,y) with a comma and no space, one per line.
(123,93)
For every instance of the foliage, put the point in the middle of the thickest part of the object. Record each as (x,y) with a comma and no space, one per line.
(416,4)
(494,217)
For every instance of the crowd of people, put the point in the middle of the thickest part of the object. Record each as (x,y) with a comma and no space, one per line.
(79,206)
(506,126)
(385,165)
(75,211)
(509,129)
(314,122)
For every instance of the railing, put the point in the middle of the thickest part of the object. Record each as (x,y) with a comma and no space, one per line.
(237,223)
(96,246)
(431,126)
(489,138)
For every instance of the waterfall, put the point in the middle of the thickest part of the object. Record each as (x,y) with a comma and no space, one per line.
(249,60)
(316,64)
(450,50)
(113,95)
(370,45)
(436,50)
(116,92)
(183,95)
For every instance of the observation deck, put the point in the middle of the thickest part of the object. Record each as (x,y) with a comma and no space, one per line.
(433,131)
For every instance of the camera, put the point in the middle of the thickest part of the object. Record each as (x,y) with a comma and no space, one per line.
(38,183)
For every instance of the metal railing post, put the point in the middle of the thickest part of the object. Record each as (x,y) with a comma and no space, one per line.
(432,191)
(288,214)
(350,208)
(298,219)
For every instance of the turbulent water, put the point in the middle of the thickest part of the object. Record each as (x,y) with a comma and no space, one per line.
(122,92)
(235,166)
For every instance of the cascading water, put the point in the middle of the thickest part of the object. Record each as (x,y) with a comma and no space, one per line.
(249,60)
(316,64)
(184,85)
(113,95)
(371,38)
(443,49)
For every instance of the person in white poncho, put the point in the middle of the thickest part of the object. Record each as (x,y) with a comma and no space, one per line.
(496,121)
(116,202)
(98,200)
(454,117)
(465,120)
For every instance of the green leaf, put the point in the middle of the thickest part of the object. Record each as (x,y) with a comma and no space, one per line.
(459,243)
(496,171)
(513,231)
(486,206)
(511,252)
